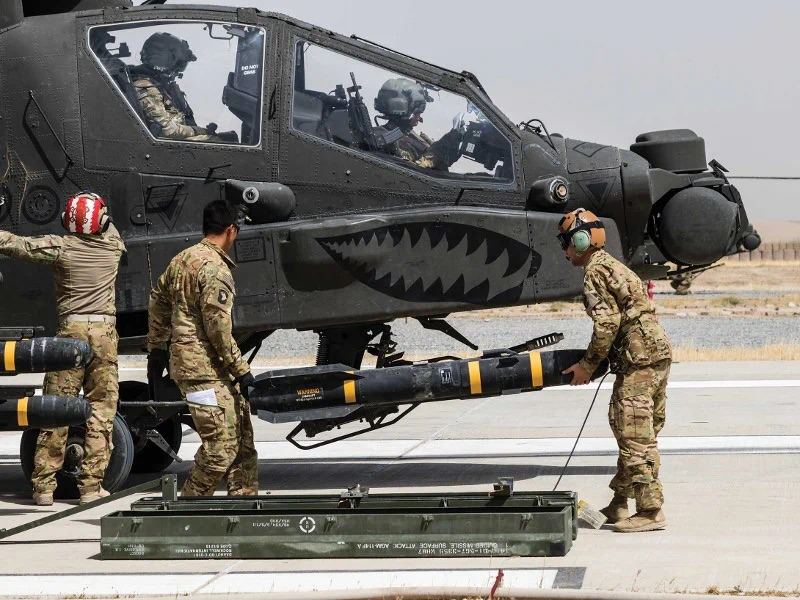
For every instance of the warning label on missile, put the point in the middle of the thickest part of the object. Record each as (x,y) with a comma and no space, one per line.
(309,394)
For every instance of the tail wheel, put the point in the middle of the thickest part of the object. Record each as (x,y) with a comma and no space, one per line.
(117,471)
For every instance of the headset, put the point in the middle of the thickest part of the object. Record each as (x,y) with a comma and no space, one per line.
(582,230)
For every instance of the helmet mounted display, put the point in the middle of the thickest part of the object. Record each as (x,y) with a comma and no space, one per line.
(400,98)
(165,53)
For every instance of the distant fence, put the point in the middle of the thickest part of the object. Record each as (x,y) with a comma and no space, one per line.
(771,251)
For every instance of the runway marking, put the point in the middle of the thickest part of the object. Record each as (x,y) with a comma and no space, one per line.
(398,450)
(696,385)
(87,585)
(478,448)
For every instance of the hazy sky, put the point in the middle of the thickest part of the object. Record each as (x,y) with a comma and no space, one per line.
(607,71)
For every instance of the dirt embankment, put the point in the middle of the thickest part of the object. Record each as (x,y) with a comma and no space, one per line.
(732,289)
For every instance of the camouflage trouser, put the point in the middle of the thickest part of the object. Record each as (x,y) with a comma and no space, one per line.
(100,383)
(636,414)
(228,450)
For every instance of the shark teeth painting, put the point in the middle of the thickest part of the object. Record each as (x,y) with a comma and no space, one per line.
(436,262)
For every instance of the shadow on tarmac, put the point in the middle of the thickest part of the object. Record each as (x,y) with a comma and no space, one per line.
(338,475)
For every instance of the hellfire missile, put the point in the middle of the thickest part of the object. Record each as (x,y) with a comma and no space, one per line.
(23,412)
(336,391)
(19,407)
(42,354)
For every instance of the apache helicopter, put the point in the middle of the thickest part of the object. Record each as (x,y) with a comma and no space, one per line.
(304,129)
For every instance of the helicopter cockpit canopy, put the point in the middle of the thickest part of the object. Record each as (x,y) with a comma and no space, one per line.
(188,81)
(409,122)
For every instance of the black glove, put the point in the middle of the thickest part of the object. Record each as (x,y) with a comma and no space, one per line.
(157,362)
(245,381)
(211,128)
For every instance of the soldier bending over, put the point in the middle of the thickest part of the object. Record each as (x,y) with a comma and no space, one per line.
(627,331)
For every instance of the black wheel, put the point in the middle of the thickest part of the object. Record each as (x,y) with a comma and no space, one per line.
(149,458)
(119,467)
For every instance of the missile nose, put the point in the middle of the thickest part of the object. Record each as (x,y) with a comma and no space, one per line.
(39,355)
(44,411)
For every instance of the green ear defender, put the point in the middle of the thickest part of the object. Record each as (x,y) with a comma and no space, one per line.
(581,240)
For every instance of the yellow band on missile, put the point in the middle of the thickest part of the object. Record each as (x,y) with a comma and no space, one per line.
(474,377)
(22,412)
(537,378)
(8,356)
(350,390)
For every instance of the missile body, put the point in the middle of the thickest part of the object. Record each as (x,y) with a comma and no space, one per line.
(333,391)
(42,354)
(17,414)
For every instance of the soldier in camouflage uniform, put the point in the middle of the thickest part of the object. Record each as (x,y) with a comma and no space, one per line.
(190,318)
(627,332)
(163,103)
(402,102)
(85,266)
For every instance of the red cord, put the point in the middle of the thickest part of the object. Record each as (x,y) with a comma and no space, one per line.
(497,581)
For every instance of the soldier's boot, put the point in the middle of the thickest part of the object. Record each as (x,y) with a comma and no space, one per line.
(645,520)
(99,494)
(617,510)
(43,498)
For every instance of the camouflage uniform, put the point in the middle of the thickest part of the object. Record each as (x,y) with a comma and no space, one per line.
(159,107)
(85,270)
(190,311)
(627,331)
(420,149)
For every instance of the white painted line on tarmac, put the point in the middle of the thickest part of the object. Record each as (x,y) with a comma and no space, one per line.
(479,448)
(484,448)
(694,385)
(122,585)
(87,586)
(242,583)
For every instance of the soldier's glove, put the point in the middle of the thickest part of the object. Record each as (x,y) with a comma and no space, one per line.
(157,362)
(462,120)
(211,128)
(245,381)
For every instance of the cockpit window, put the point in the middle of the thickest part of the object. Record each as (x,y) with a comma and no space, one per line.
(188,81)
(410,122)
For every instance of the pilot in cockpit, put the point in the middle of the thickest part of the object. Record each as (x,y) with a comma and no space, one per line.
(401,103)
(164,58)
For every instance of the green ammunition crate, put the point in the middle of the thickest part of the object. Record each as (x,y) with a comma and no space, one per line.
(360,526)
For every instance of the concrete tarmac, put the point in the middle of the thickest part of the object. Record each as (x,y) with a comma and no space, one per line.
(730,469)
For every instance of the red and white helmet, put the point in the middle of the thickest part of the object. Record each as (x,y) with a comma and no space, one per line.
(85,213)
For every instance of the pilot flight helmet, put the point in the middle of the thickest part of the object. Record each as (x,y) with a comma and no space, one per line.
(85,212)
(400,98)
(166,53)
(582,229)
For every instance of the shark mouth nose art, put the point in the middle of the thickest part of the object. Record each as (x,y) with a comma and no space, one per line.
(435,262)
